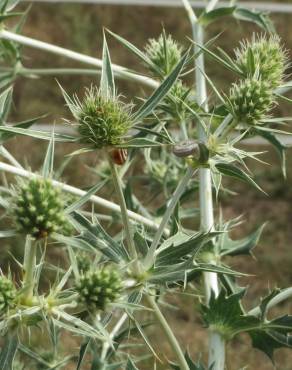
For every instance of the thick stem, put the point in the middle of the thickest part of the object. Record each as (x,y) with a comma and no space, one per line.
(29,266)
(169,334)
(124,212)
(118,70)
(216,342)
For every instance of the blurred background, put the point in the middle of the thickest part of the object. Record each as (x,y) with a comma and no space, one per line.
(79,27)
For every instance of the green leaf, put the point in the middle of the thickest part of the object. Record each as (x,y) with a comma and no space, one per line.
(139,143)
(136,51)
(95,236)
(161,91)
(240,247)
(107,83)
(48,166)
(208,17)
(8,352)
(83,349)
(5,102)
(280,147)
(79,203)
(229,169)
(259,18)
(43,135)
(130,365)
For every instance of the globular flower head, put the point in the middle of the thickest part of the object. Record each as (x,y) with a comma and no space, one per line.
(270,59)
(250,100)
(7,294)
(164,53)
(102,120)
(38,208)
(98,288)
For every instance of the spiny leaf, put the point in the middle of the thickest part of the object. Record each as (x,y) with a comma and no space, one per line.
(161,91)
(107,83)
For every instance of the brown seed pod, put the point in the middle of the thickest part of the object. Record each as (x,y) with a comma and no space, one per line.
(186,148)
(119,156)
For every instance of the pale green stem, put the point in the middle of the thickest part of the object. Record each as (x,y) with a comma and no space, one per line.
(113,333)
(119,71)
(225,127)
(29,267)
(168,332)
(216,356)
(124,214)
(149,260)
(22,71)
(282,296)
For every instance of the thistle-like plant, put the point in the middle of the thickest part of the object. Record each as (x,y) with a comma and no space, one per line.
(121,266)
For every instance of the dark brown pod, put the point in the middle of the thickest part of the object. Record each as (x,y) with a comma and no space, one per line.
(186,148)
(119,156)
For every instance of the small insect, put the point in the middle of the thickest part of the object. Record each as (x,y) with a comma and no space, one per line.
(119,156)
(186,148)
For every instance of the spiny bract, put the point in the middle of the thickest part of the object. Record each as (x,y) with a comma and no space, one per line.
(38,208)
(250,100)
(7,294)
(269,59)
(175,104)
(164,53)
(83,262)
(98,288)
(102,121)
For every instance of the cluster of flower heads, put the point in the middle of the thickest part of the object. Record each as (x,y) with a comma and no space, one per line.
(98,288)
(262,62)
(7,294)
(101,121)
(38,208)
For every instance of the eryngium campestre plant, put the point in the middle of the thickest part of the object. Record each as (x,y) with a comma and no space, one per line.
(83,262)
(7,294)
(98,288)
(102,121)
(250,100)
(269,59)
(38,208)
(164,53)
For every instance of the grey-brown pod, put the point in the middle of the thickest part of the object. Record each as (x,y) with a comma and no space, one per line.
(186,148)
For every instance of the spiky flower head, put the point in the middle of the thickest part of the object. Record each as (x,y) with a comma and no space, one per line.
(7,294)
(101,120)
(265,55)
(251,100)
(164,53)
(98,288)
(38,208)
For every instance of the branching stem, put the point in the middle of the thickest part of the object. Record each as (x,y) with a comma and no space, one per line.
(168,332)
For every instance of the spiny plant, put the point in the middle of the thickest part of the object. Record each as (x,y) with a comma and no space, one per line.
(120,267)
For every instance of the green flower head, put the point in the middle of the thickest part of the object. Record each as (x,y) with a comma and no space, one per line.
(83,262)
(101,121)
(250,100)
(98,288)
(164,53)
(267,56)
(38,208)
(7,294)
